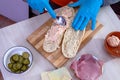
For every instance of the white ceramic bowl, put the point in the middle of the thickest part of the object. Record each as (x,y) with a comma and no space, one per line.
(19,50)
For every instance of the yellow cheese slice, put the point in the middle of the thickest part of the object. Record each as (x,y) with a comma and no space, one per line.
(59,74)
(44,76)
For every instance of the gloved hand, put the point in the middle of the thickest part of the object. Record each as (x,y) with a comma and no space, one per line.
(88,11)
(41,5)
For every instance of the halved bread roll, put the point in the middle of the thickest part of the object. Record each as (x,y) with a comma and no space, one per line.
(55,34)
(71,42)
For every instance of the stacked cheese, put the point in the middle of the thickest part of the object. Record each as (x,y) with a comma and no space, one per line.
(59,74)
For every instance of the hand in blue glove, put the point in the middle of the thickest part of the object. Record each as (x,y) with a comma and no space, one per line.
(41,5)
(88,11)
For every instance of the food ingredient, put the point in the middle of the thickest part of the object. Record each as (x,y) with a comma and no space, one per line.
(54,35)
(113,41)
(59,74)
(19,63)
(87,67)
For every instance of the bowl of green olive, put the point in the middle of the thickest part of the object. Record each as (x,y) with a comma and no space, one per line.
(17,59)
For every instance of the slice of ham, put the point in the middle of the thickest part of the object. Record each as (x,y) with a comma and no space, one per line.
(87,67)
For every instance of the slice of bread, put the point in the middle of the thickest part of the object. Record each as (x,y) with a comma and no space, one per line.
(71,42)
(55,34)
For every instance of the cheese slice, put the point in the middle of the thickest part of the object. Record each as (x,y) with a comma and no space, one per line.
(59,74)
(44,76)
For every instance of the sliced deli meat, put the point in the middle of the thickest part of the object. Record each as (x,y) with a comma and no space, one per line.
(87,67)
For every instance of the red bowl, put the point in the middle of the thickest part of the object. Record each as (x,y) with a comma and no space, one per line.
(114,51)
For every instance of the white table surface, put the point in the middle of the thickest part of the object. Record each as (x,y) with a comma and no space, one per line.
(16,34)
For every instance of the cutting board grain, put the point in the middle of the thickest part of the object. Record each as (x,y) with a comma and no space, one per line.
(56,58)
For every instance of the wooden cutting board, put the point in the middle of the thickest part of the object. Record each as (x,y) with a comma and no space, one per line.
(56,58)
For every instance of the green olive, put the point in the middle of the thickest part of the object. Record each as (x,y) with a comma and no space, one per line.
(26,61)
(20,59)
(11,60)
(18,71)
(18,65)
(15,66)
(10,65)
(13,70)
(25,54)
(15,57)
(24,68)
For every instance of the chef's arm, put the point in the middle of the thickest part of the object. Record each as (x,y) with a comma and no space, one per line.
(108,2)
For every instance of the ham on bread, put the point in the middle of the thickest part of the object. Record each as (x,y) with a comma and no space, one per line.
(55,34)
(87,67)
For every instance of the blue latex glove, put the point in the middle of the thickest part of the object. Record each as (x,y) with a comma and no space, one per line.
(41,5)
(88,11)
